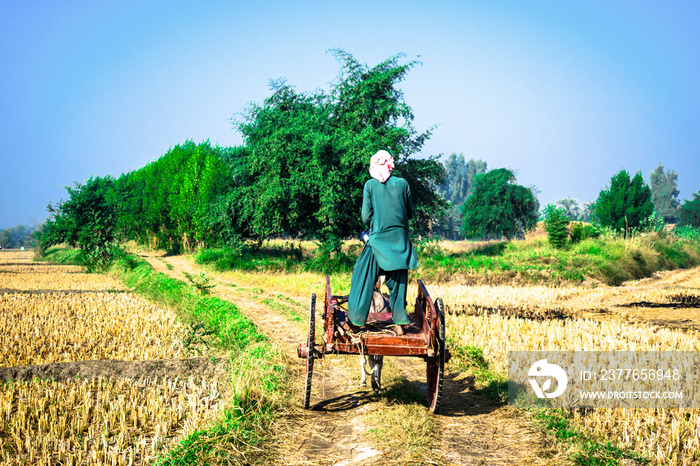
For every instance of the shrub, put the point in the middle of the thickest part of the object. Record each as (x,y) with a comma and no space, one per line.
(428,247)
(654,223)
(556,224)
(687,232)
(580,231)
(329,259)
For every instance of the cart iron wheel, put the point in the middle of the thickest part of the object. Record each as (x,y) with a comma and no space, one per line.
(310,352)
(435,366)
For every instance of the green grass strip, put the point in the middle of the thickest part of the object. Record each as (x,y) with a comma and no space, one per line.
(588,452)
(610,259)
(61,255)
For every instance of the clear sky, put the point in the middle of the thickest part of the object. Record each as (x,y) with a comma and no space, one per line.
(567,93)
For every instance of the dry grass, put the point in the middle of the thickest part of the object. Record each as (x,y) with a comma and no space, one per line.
(531,301)
(464,247)
(406,430)
(19,273)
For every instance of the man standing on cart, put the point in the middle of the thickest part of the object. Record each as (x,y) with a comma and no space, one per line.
(386,207)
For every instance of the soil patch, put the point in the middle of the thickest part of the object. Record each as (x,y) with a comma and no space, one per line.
(162,368)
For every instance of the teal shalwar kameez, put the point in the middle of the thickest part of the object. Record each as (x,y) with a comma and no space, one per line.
(387,207)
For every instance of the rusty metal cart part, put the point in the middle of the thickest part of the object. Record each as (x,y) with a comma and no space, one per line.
(435,366)
(310,353)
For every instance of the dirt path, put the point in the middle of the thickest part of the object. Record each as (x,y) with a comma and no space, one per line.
(472,429)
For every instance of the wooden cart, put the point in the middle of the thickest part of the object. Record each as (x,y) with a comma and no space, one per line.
(427,342)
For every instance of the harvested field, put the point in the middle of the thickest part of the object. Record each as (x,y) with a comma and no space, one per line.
(101,421)
(56,327)
(19,273)
(499,319)
(92,374)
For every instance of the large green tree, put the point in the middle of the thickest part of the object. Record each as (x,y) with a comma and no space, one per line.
(306,155)
(498,206)
(664,193)
(625,203)
(167,202)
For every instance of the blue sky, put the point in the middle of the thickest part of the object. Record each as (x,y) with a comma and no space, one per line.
(566,93)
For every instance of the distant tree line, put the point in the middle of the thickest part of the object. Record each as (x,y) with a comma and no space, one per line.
(626,206)
(456,187)
(494,209)
(16,237)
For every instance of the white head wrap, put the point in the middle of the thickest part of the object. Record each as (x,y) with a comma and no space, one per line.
(381,165)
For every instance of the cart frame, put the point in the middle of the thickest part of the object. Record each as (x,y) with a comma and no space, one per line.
(428,343)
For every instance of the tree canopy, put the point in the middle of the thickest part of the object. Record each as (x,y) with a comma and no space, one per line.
(306,154)
(625,204)
(166,202)
(498,206)
(87,219)
(664,193)
(163,204)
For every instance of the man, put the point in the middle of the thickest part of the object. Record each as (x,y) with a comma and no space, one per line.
(387,207)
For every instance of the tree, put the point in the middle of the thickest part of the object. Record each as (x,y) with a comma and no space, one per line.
(459,177)
(588,212)
(498,206)
(306,155)
(664,193)
(456,185)
(87,219)
(690,212)
(556,222)
(455,189)
(570,207)
(625,204)
(167,202)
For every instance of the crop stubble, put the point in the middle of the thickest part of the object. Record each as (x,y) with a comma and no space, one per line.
(58,314)
(499,319)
